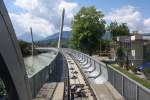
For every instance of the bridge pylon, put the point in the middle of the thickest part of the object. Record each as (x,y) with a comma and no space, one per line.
(61,28)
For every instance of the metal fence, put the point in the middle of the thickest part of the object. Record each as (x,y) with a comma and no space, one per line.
(127,87)
(37,80)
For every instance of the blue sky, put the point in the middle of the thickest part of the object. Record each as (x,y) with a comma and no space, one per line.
(44,15)
(107,5)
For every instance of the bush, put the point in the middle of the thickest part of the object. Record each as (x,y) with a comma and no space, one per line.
(133,68)
(120,56)
(133,76)
(25,48)
(2,88)
(121,62)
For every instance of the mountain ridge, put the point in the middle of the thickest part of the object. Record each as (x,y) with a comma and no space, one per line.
(27,37)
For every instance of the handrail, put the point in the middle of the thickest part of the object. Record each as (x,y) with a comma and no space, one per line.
(93,69)
(146,89)
(88,66)
(42,75)
(30,76)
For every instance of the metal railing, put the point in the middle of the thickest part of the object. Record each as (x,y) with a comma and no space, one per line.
(37,80)
(127,87)
(88,63)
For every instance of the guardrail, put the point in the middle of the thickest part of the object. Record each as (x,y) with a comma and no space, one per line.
(127,87)
(37,80)
(89,64)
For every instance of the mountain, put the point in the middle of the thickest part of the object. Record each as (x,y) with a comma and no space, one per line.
(52,40)
(66,35)
(27,37)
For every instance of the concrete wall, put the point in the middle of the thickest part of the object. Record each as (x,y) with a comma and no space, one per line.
(11,55)
(37,80)
(138,46)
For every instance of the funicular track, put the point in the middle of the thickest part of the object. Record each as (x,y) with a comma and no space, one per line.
(95,74)
(78,86)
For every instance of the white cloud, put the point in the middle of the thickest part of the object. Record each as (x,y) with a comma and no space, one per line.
(147,25)
(147,22)
(130,15)
(43,15)
(23,22)
(26,4)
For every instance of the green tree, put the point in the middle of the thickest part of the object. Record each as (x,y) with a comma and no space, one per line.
(25,48)
(105,45)
(120,56)
(87,28)
(118,29)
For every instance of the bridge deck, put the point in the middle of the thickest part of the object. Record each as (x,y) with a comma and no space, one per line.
(58,94)
(51,91)
(46,91)
(102,92)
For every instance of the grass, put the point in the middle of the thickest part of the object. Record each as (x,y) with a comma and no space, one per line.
(143,82)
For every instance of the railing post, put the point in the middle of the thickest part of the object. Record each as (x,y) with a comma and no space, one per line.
(122,86)
(94,66)
(87,59)
(100,67)
(82,56)
(113,78)
(79,55)
(137,92)
(90,61)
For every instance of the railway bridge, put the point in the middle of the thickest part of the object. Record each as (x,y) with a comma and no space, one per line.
(59,73)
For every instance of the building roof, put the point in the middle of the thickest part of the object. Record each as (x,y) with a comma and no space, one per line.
(133,38)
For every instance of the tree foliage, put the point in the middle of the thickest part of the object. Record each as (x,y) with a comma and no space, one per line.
(25,48)
(118,29)
(105,45)
(87,28)
(120,56)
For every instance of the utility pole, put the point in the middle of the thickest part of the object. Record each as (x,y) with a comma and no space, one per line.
(32,41)
(61,28)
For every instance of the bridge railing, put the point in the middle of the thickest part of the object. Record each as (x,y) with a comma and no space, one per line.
(93,63)
(37,80)
(127,87)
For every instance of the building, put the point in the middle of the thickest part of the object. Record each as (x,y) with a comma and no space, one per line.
(137,48)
